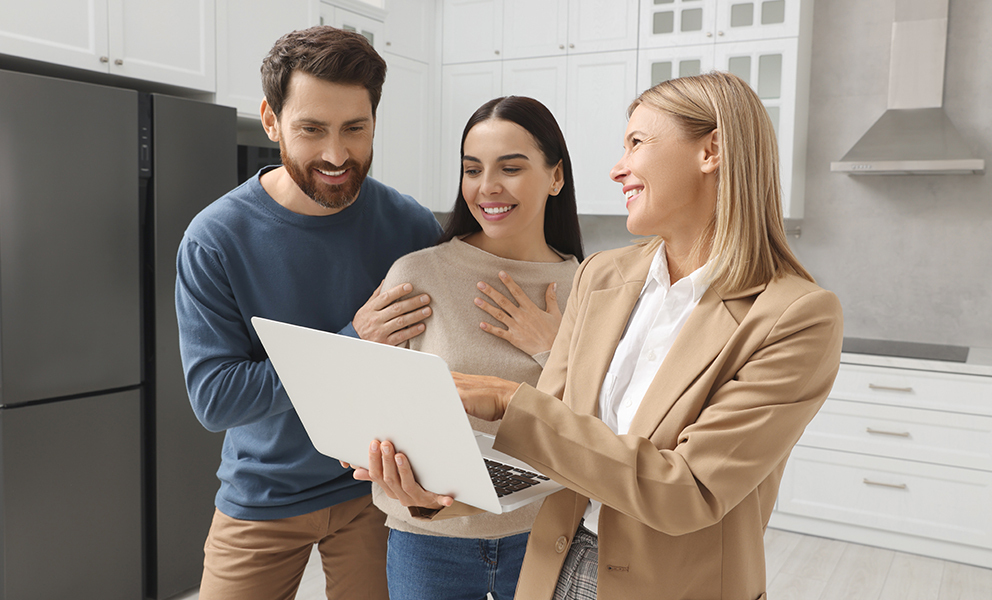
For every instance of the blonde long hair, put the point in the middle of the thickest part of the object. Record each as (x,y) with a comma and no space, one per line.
(748,243)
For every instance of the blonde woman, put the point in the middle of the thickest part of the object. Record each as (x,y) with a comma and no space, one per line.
(685,369)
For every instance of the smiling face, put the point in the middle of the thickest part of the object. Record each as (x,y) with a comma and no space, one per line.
(506,183)
(325,139)
(669,181)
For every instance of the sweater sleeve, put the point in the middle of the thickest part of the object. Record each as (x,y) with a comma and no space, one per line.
(227,388)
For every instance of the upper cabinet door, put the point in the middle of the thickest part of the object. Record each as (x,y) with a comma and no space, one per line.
(534,29)
(169,42)
(65,32)
(677,22)
(410,29)
(601,25)
(742,20)
(472,30)
(244,38)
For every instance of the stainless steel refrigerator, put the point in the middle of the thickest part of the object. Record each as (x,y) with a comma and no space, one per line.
(106,478)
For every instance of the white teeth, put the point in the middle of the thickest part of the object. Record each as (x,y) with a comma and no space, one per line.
(631,193)
(496,210)
(333,173)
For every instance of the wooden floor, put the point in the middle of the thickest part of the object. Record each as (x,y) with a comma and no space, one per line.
(802,567)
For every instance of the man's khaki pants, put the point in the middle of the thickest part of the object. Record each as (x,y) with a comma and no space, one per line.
(265,560)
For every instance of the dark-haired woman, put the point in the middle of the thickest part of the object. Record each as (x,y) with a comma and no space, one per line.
(511,244)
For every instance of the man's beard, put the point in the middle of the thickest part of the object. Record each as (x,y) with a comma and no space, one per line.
(327,196)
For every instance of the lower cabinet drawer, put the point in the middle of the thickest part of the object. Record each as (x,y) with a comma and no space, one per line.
(932,501)
(929,436)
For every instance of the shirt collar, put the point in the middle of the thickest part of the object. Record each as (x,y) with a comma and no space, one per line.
(658,271)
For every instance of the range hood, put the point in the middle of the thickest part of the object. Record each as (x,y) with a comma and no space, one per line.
(914,135)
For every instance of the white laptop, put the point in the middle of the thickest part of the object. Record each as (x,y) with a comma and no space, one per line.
(349,392)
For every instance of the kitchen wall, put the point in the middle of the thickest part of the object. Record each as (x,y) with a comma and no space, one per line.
(910,256)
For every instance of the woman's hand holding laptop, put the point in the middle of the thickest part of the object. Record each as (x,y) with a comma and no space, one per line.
(483,397)
(392,471)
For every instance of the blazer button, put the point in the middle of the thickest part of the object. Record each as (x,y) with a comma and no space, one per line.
(561,544)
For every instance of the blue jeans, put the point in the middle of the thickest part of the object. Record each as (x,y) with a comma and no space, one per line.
(427,567)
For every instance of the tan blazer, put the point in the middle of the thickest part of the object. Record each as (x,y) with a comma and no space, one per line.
(688,492)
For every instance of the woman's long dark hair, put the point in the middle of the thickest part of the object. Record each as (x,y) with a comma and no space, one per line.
(561,220)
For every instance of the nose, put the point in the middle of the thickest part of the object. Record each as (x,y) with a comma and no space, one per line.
(620,170)
(490,183)
(335,152)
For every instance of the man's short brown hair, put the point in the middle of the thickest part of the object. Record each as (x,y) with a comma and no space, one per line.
(327,53)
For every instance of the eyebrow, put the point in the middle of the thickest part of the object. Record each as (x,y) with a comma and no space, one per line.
(633,134)
(505,157)
(308,121)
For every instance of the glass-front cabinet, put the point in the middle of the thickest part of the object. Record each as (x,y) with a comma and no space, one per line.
(686,22)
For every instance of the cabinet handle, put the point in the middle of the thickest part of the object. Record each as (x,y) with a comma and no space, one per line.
(904,434)
(887,388)
(389,43)
(561,46)
(898,486)
(571,45)
(720,33)
(118,62)
(104,59)
(497,52)
(709,34)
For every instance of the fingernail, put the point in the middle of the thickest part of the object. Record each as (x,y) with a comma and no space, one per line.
(426,312)
(407,287)
(386,449)
(502,275)
(374,447)
(481,285)
(554,287)
(399,460)
(484,325)
(478,301)
(425,298)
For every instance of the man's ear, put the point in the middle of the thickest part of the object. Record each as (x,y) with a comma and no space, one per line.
(270,122)
(711,152)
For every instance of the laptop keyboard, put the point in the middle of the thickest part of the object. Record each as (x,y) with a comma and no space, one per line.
(508,479)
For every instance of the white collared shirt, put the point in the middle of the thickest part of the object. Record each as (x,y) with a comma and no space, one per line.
(659,315)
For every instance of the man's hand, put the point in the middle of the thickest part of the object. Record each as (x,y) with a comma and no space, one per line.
(388,318)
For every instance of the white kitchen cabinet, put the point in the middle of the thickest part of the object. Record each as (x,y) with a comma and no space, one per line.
(532,29)
(528,29)
(472,30)
(246,31)
(898,457)
(601,26)
(130,38)
(600,88)
(464,88)
(544,79)
(405,131)
(409,29)
(668,23)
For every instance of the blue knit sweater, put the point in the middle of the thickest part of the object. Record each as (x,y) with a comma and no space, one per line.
(246,255)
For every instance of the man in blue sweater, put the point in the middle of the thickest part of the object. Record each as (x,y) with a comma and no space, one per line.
(309,243)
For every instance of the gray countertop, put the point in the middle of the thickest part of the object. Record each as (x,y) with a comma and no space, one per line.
(977,362)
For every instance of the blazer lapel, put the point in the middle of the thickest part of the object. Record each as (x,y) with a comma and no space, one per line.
(605,320)
(703,336)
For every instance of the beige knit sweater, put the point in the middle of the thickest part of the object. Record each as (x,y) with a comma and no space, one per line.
(449,273)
